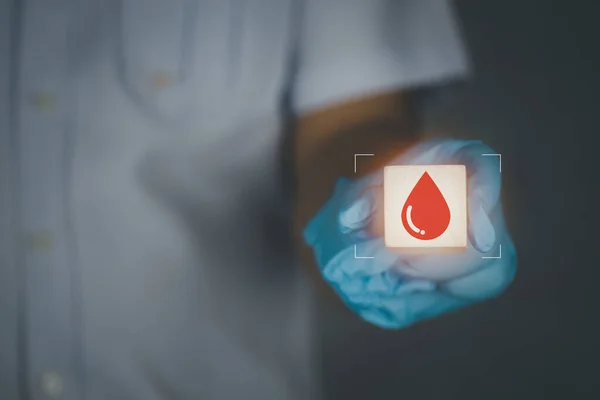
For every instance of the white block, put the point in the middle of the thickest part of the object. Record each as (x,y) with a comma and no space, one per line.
(434,215)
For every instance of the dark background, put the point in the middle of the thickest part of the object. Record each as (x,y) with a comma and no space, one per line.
(534,97)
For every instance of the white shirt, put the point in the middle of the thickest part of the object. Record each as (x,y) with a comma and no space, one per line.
(139,171)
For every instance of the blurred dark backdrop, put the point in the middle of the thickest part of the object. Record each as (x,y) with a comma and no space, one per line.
(534,97)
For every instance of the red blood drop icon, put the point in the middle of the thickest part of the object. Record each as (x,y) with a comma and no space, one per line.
(425,214)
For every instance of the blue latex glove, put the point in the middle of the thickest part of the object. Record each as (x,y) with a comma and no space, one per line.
(394,290)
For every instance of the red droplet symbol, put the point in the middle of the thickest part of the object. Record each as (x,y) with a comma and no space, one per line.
(425,214)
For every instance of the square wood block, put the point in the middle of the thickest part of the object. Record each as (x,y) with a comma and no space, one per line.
(425,207)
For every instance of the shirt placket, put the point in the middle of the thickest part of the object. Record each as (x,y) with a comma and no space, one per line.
(44,129)
(9,310)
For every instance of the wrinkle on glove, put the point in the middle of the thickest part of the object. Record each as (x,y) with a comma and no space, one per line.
(377,293)
(393,290)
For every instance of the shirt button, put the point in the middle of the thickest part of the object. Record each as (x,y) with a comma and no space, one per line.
(52,385)
(39,241)
(43,101)
(160,80)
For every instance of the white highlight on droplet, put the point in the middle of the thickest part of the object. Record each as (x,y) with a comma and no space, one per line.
(411,223)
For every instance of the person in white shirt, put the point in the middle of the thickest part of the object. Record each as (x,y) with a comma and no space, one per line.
(143,245)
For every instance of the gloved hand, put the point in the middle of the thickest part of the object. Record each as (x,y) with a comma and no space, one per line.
(394,290)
